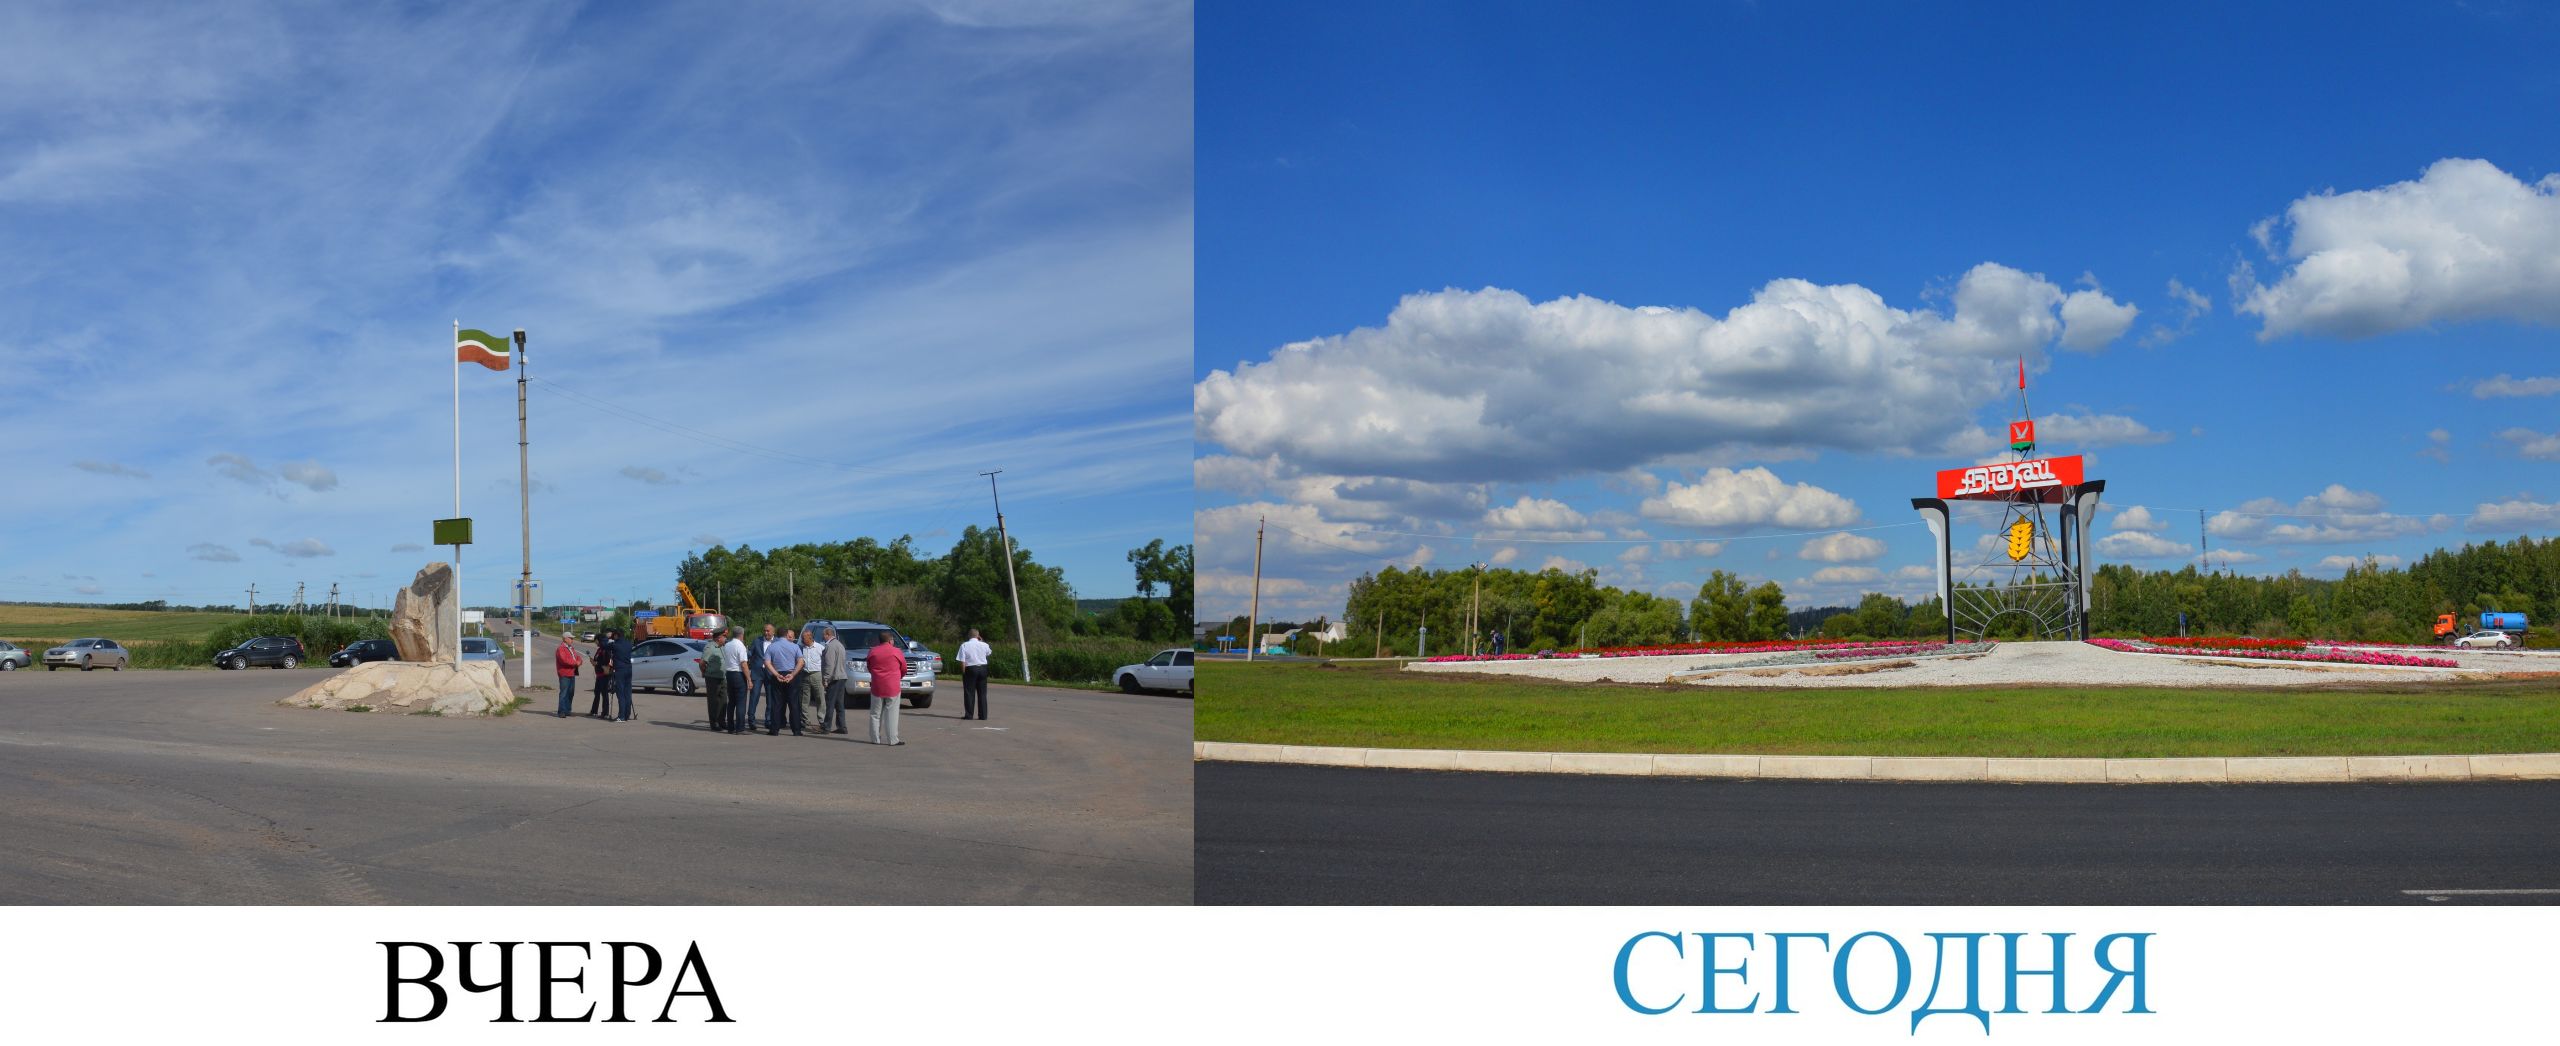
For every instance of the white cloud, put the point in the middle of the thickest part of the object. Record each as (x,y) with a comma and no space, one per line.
(1687,549)
(2134,544)
(211,553)
(1240,586)
(708,540)
(1636,554)
(304,548)
(2513,514)
(1422,556)
(2535,446)
(2439,446)
(2334,515)
(1569,566)
(2343,562)
(1725,498)
(1915,572)
(2226,556)
(2136,517)
(310,475)
(2193,305)
(109,468)
(1504,555)
(1842,548)
(1846,575)
(1538,515)
(645,474)
(2504,386)
(2091,320)
(1488,385)
(2465,241)
(2073,431)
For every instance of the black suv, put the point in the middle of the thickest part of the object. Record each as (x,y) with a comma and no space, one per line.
(364,650)
(270,651)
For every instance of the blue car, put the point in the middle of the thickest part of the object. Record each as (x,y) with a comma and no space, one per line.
(483,648)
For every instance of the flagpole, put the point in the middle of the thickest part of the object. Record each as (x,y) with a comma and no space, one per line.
(457,489)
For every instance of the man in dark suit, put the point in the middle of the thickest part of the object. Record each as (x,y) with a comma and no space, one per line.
(622,674)
(603,661)
(746,718)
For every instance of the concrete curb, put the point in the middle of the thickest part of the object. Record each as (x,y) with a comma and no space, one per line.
(2330,769)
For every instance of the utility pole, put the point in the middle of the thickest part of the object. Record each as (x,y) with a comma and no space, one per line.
(2204,542)
(1006,539)
(791,593)
(333,600)
(297,599)
(1381,651)
(1475,612)
(1253,625)
(253,597)
(524,515)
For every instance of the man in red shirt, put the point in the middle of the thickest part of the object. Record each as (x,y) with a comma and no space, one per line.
(566,660)
(888,666)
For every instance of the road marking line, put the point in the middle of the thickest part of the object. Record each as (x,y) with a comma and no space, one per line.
(2470,893)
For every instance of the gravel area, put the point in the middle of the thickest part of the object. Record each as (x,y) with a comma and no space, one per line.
(2011,664)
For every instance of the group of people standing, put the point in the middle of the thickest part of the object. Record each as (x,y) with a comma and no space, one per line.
(784,676)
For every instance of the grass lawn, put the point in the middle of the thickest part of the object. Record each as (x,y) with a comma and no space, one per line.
(30,626)
(1375,706)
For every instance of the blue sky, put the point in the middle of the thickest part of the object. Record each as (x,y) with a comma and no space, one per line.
(1646,287)
(881,247)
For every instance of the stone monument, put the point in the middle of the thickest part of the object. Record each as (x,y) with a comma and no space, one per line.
(426,678)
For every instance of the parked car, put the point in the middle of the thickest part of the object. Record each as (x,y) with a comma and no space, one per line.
(2488,640)
(916,650)
(262,652)
(483,648)
(14,657)
(859,636)
(589,637)
(1168,670)
(85,654)
(364,650)
(668,664)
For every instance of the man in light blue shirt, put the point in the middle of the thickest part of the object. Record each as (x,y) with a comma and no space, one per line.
(782,668)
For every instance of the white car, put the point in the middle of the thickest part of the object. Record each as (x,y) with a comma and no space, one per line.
(1169,670)
(2490,640)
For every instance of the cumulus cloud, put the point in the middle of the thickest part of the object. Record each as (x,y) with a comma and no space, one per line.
(2536,446)
(2505,387)
(1538,515)
(2343,562)
(2091,320)
(212,553)
(2134,544)
(1488,385)
(1846,575)
(308,474)
(237,467)
(647,475)
(2334,515)
(2439,446)
(1504,555)
(304,548)
(2073,431)
(2136,517)
(1368,499)
(1842,548)
(708,539)
(2513,514)
(109,468)
(2465,241)
(1726,498)
(1569,566)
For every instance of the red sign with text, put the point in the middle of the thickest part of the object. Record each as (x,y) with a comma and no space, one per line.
(2035,479)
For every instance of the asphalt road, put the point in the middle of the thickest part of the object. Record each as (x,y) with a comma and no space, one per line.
(1320,835)
(194,787)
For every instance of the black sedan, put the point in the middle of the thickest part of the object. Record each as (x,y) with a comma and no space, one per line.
(262,652)
(364,650)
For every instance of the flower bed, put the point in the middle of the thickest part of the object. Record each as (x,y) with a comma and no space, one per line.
(2226,642)
(2330,656)
(1850,648)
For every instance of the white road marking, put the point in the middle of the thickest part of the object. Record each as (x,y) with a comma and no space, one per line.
(2438,895)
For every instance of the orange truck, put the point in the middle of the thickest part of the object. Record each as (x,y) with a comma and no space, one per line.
(695,621)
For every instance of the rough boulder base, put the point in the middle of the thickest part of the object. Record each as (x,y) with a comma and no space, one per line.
(473,688)
(422,617)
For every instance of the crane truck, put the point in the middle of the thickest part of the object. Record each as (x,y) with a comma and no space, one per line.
(695,621)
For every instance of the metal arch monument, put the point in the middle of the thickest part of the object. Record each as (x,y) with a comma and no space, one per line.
(2041,572)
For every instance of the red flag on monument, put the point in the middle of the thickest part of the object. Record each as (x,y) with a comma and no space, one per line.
(2022,373)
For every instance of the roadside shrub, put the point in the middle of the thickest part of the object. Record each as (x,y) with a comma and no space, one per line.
(321,636)
(1079,659)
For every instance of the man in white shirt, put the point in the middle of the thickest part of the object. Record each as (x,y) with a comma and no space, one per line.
(973,677)
(733,662)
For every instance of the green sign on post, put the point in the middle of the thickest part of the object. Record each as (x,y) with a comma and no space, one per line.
(453,531)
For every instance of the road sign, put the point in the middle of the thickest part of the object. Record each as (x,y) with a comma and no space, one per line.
(453,531)
(529,593)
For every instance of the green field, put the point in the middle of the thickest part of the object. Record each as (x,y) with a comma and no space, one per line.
(1371,705)
(39,627)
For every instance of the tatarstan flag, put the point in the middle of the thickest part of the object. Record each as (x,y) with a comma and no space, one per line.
(483,348)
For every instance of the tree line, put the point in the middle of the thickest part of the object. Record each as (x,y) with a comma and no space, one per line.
(1557,609)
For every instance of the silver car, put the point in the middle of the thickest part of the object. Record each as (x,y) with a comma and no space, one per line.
(1169,670)
(859,637)
(14,657)
(483,648)
(668,664)
(2488,640)
(85,654)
